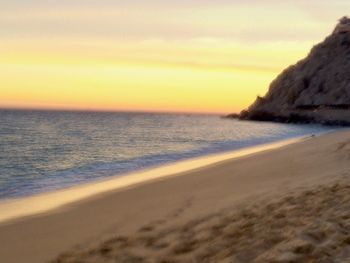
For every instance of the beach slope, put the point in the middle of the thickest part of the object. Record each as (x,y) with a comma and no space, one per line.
(290,204)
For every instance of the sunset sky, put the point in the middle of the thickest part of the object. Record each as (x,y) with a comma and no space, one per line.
(155,55)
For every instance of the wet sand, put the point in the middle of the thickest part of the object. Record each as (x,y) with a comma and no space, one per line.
(290,204)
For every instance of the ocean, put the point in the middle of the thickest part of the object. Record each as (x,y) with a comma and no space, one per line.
(42,151)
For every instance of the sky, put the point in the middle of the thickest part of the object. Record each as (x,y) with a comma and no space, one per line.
(153,55)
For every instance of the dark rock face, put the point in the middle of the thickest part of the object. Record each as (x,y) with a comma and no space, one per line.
(315,90)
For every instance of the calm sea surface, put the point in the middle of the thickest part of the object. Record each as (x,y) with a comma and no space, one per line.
(43,150)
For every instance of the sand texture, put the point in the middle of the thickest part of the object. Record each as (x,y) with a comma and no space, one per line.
(284,205)
(311,226)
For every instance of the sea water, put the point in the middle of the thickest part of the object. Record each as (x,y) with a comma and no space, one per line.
(42,151)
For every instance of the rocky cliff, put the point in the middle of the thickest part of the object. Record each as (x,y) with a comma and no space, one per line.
(314,90)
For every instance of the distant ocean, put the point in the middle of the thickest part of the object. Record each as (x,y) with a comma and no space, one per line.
(46,150)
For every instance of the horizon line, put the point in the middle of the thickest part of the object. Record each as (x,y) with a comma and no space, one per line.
(110,110)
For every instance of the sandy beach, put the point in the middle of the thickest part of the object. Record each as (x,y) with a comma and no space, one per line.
(290,204)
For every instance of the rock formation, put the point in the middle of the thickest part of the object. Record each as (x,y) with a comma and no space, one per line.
(314,90)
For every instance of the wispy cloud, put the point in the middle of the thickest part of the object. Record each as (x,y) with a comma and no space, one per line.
(242,21)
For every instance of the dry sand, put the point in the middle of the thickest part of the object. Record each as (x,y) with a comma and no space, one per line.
(290,204)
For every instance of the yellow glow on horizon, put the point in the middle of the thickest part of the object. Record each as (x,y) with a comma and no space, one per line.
(130,87)
(200,76)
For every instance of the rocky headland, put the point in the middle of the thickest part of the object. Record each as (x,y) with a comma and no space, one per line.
(314,90)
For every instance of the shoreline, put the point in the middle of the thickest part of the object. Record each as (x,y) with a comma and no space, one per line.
(209,214)
(17,208)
